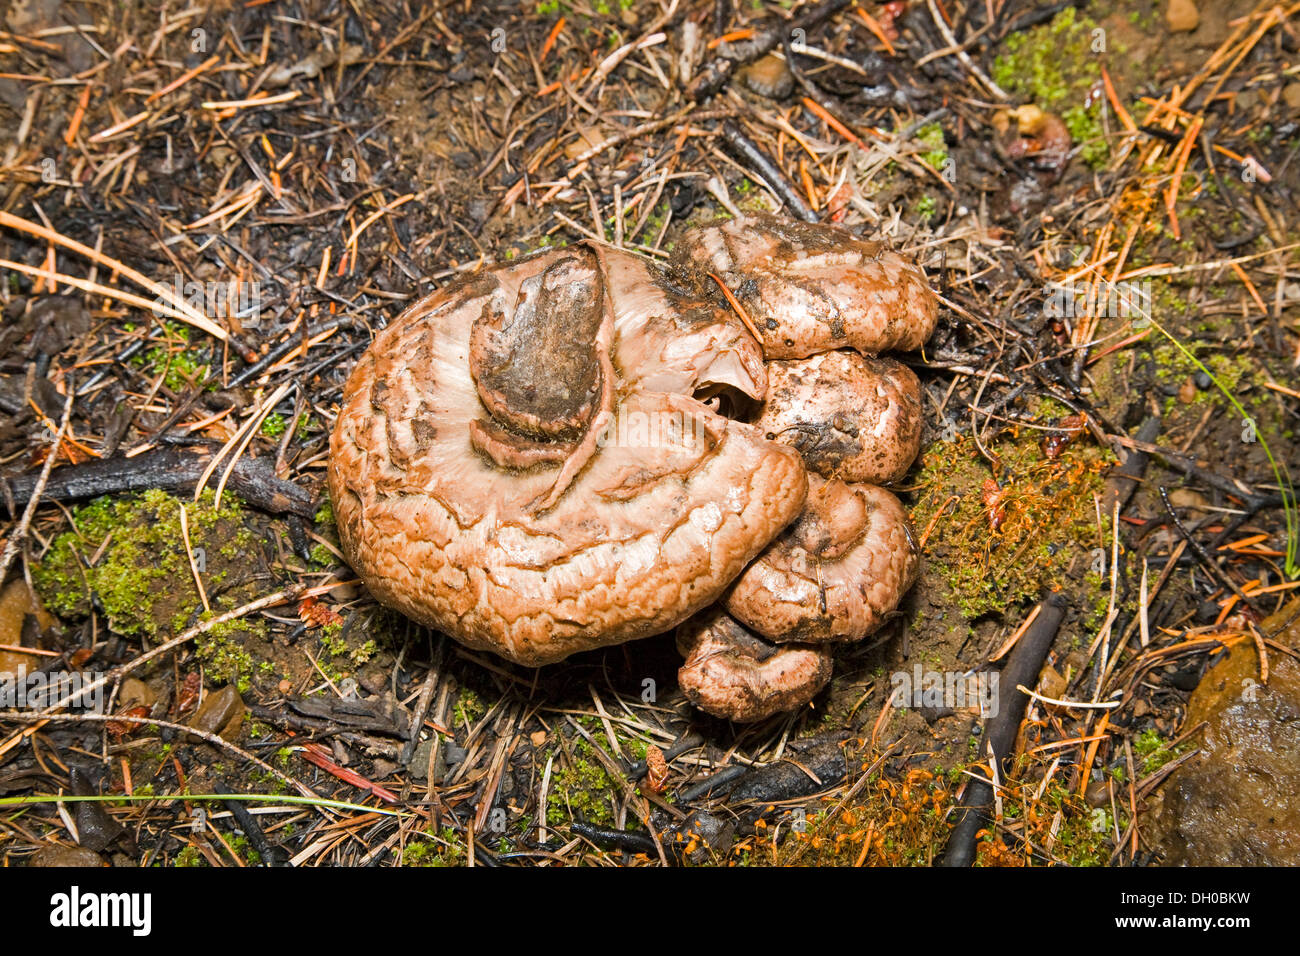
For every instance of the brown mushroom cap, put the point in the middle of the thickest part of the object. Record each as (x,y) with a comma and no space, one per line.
(813,288)
(525,460)
(731,673)
(836,573)
(853,418)
(643,535)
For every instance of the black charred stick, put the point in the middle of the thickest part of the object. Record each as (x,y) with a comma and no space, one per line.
(713,76)
(1124,479)
(1204,557)
(271,854)
(713,781)
(170,469)
(751,154)
(261,364)
(1155,132)
(632,841)
(800,774)
(1022,669)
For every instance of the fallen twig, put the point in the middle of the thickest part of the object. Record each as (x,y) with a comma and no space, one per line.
(999,738)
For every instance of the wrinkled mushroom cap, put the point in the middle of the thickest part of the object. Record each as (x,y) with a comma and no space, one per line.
(532,462)
(836,574)
(853,418)
(731,673)
(647,533)
(813,288)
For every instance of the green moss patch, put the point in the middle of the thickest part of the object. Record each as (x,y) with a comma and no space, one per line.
(1046,523)
(580,789)
(128,556)
(1056,67)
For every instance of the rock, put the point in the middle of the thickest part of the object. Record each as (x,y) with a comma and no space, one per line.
(374,678)
(452,753)
(769,77)
(1238,802)
(1052,683)
(1192,503)
(16,606)
(1182,16)
(54,855)
(1097,794)
(702,836)
(1291,95)
(1187,677)
(221,713)
(96,828)
(420,760)
(135,693)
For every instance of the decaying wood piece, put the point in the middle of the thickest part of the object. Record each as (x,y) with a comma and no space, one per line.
(998,742)
(169,469)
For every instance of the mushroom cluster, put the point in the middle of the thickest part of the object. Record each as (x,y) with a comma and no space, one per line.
(582,448)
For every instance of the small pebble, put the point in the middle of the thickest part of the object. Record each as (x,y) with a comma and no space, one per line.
(419,765)
(222,713)
(1182,16)
(1052,683)
(59,856)
(769,77)
(136,693)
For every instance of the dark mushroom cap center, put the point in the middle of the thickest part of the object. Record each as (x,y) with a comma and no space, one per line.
(536,366)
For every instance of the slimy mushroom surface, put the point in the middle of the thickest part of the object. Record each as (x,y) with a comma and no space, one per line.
(811,288)
(853,418)
(836,573)
(441,529)
(730,672)
(581,449)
